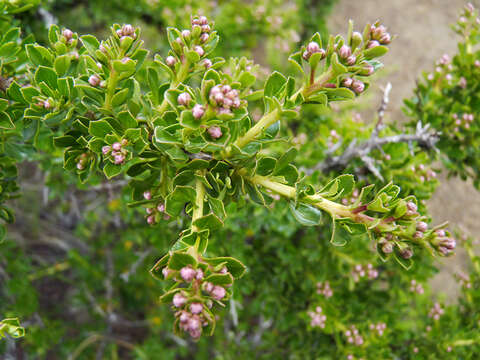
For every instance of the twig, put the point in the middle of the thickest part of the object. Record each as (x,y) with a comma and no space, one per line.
(423,136)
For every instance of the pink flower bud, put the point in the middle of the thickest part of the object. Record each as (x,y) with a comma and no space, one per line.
(206,28)
(372,43)
(128,30)
(170,60)
(198,111)
(411,206)
(102,49)
(184,99)
(196,308)
(94,80)
(347,82)
(199,50)
(422,226)
(185,34)
(67,33)
(218,292)
(351,60)
(215,132)
(161,207)
(208,287)
(199,275)
(80,166)
(385,39)
(117,146)
(187,273)
(418,235)
(313,47)
(202,20)
(118,159)
(358,86)
(306,55)
(345,52)
(207,63)
(406,253)
(147,195)
(204,37)
(151,220)
(46,104)
(179,300)
(149,211)
(105,150)
(387,248)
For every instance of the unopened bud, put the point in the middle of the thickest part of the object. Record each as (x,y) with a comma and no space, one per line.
(106,150)
(406,253)
(204,37)
(119,159)
(422,226)
(218,292)
(412,207)
(358,86)
(117,146)
(67,33)
(387,248)
(46,104)
(347,82)
(206,28)
(94,80)
(202,20)
(187,273)
(196,308)
(198,111)
(356,39)
(151,220)
(147,195)
(179,300)
(128,30)
(215,132)
(184,99)
(313,47)
(199,50)
(345,52)
(207,63)
(351,60)
(372,43)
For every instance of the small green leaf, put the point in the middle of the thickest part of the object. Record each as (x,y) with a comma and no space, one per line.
(274,84)
(306,214)
(179,260)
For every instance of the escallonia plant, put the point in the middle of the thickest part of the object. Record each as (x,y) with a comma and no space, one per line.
(180,128)
(448,102)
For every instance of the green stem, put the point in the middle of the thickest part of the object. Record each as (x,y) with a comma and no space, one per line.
(199,199)
(334,209)
(263,123)
(112,84)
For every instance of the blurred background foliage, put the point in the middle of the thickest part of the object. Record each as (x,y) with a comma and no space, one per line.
(74,267)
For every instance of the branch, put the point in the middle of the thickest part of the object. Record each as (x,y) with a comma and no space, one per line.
(423,136)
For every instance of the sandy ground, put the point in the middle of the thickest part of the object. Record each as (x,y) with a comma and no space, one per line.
(423,35)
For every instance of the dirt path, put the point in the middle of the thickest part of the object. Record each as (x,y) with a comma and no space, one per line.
(424,34)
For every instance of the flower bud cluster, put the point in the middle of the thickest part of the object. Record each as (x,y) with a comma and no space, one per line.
(313,48)
(353,336)
(360,271)
(194,38)
(126,31)
(116,153)
(463,121)
(317,318)
(154,213)
(224,98)
(379,328)
(436,311)
(356,85)
(423,173)
(416,287)
(443,242)
(82,161)
(379,33)
(324,289)
(67,37)
(194,301)
(464,280)
(345,54)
